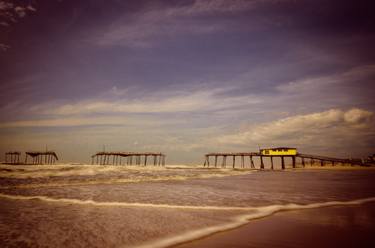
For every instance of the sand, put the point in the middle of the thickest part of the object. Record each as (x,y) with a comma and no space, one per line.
(342,227)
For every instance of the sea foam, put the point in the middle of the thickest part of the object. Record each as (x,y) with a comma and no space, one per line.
(251,213)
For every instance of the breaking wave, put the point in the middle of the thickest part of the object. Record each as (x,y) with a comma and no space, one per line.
(239,220)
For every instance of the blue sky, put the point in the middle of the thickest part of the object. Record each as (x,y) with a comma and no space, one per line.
(187,77)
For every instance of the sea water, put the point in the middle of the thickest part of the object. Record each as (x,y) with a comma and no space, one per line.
(118,206)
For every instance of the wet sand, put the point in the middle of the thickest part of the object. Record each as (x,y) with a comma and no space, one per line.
(349,226)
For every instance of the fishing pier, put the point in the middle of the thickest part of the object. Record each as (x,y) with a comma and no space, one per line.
(258,160)
(12,157)
(128,158)
(47,157)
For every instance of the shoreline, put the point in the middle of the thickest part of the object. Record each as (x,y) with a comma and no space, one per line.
(194,238)
(333,226)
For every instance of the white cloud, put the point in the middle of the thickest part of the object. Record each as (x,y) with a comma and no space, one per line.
(328,129)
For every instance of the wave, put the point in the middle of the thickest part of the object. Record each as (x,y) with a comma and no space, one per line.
(46,171)
(261,212)
(114,181)
(234,222)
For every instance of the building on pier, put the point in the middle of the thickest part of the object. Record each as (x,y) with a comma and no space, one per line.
(279,151)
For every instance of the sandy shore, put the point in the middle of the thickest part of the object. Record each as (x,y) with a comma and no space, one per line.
(342,227)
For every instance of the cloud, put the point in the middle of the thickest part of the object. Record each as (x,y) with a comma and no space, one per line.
(10,13)
(359,74)
(328,129)
(144,28)
(165,102)
(90,121)
(4,47)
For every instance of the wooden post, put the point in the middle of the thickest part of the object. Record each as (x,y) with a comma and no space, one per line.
(145,160)
(294,161)
(282,163)
(303,161)
(208,160)
(333,163)
(261,162)
(242,161)
(321,162)
(215,161)
(252,162)
(163,160)
(154,157)
(234,161)
(224,162)
(271,162)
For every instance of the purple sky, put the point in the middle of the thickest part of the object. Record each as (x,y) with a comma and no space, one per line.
(187,77)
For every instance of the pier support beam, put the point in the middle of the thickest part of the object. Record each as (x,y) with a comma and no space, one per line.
(224,162)
(294,161)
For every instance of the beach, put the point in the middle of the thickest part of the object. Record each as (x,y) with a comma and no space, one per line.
(120,206)
(349,226)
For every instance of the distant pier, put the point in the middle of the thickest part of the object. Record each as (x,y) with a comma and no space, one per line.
(32,157)
(12,157)
(46,157)
(129,158)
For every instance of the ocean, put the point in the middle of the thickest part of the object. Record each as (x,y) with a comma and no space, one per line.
(119,206)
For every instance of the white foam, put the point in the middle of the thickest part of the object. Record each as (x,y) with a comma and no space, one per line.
(239,220)
(116,204)
(43,171)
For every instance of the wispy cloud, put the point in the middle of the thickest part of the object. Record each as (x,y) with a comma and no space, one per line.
(144,28)
(160,102)
(359,74)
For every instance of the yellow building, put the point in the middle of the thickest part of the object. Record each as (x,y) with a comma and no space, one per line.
(279,151)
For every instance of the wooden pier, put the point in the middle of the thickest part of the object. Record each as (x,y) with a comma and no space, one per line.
(128,158)
(12,157)
(304,159)
(47,157)
(224,156)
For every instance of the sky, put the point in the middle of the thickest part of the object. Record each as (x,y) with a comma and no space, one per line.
(187,77)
